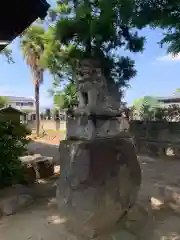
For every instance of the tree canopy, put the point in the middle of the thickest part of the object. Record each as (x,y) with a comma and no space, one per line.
(7,53)
(65,98)
(99,29)
(160,13)
(3,101)
(32,45)
(145,107)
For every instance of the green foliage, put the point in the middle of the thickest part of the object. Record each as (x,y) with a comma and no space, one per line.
(12,145)
(3,101)
(145,108)
(164,14)
(65,98)
(92,29)
(32,47)
(177,90)
(148,108)
(7,53)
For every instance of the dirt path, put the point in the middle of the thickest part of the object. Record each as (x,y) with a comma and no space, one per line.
(42,221)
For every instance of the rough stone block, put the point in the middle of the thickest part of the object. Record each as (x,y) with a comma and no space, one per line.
(80,127)
(45,168)
(99,181)
(29,173)
(11,205)
(37,166)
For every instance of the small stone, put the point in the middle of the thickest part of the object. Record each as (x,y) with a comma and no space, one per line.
(156,203)
(123,235)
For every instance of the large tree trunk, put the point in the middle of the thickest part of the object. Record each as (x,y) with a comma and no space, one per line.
(37,107)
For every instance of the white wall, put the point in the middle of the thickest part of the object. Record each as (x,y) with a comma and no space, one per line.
(14,105)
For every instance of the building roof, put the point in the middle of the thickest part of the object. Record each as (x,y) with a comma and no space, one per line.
(23,13)
(174,96)
(14,98)
(10,109)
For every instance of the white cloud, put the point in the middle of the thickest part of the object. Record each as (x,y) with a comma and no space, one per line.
(169,57)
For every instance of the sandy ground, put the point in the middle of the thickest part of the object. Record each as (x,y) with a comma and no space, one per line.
(42,221)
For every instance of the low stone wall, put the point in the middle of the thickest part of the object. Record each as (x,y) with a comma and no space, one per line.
(157,138)
(48,125)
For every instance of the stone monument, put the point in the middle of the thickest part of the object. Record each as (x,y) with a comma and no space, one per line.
(100,175)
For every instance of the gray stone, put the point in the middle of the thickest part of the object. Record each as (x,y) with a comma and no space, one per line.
(95,95)
(12,204)
(80,128)
(124,235)
(98,178)
(100,175)
(168,229)
(139,216)
(106,128)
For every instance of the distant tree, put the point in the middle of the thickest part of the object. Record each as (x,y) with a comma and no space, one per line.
(94,31)
(145,108)
(3,101)
(65,98)
(48,113)
(32,46)
(177,90)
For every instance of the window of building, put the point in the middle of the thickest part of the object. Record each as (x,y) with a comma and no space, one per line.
(27,104)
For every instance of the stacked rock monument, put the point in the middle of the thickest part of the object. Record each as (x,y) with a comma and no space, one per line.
(100,175)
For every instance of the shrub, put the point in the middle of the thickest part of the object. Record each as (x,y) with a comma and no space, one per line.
(13,144)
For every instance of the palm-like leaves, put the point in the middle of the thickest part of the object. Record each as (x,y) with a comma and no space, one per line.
(7,53)
(32,45)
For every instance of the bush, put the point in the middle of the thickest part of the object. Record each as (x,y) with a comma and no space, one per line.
(13,144)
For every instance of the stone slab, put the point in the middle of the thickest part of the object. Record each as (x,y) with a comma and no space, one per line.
(99,181)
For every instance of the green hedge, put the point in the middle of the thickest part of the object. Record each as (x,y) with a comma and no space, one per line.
(13,144)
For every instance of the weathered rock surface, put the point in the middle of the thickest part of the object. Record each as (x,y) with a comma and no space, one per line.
(168,229)
(99,182)
(37,166)
(124,235)
(11,205)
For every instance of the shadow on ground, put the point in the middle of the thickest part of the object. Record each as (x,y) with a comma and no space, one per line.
(153,220)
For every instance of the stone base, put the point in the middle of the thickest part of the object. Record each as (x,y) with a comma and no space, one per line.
(37,166)
(98,184)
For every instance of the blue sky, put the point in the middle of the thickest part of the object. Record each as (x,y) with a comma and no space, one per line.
(158,74)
